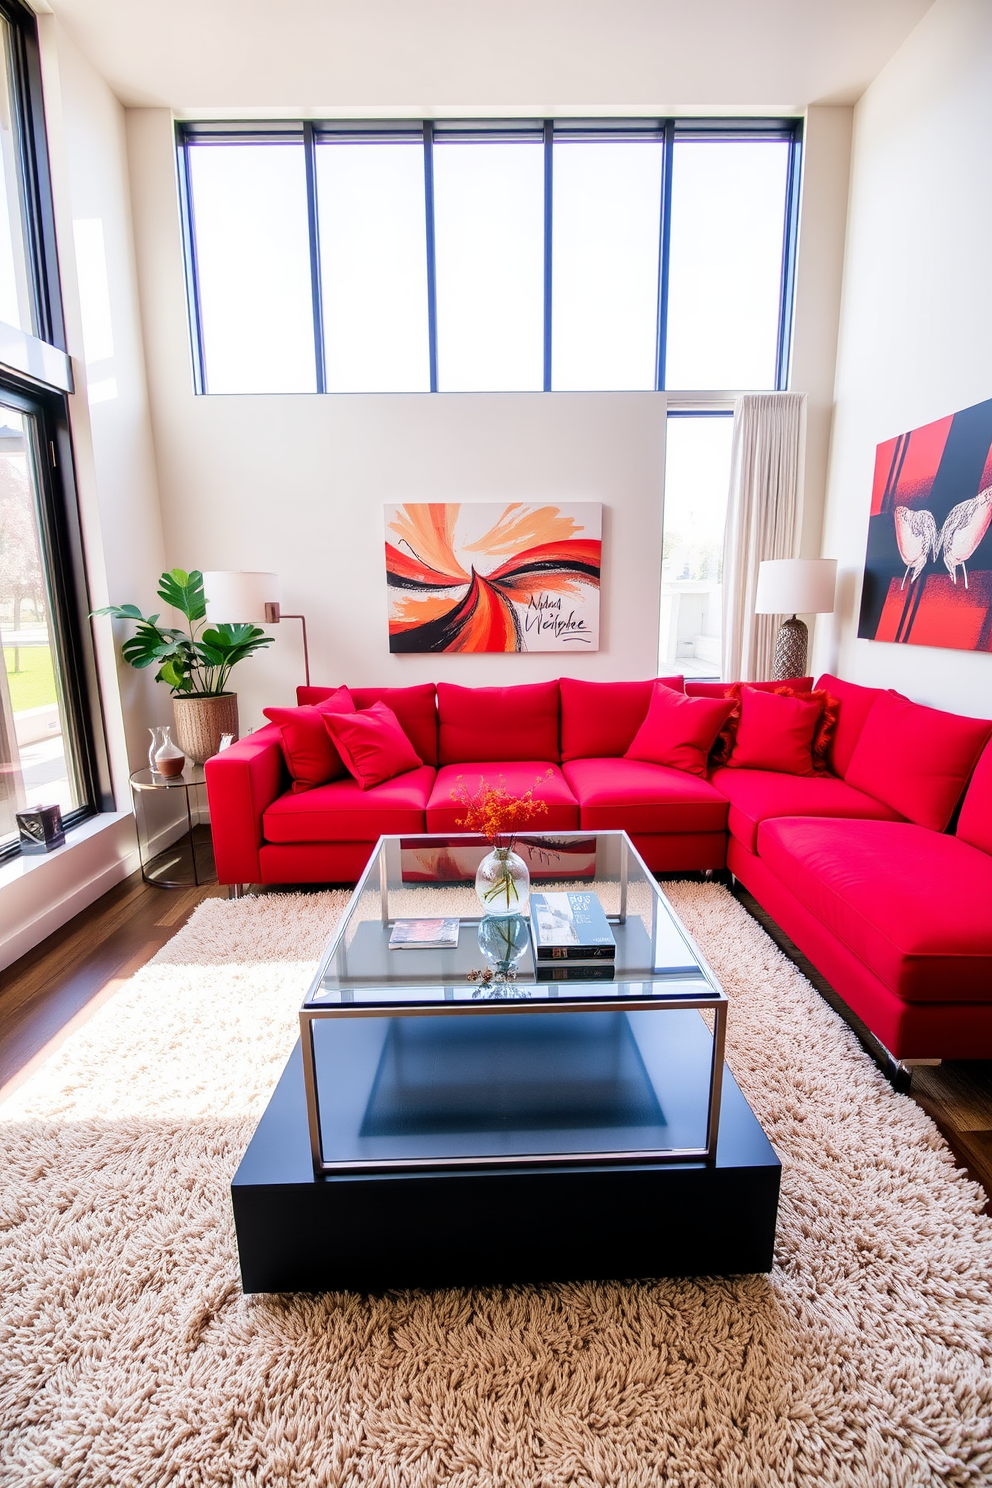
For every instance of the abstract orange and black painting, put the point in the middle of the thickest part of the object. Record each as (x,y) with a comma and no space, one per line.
(928,569)
(493,576)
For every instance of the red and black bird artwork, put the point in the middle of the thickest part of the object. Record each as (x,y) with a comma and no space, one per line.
(928,570)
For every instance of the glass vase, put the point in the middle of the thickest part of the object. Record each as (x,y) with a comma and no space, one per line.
(502,883)
(154,747)
(169,759)
(503,941)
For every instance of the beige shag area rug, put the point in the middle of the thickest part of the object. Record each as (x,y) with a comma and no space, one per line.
(129,1356)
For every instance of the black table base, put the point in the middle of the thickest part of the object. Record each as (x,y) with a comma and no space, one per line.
(479,1226)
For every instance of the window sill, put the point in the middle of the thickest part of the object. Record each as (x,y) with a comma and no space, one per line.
(40,892)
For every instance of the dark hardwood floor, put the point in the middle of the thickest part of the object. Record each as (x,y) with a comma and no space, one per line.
(45,994)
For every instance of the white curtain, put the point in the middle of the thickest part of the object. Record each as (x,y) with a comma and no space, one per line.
(763,521)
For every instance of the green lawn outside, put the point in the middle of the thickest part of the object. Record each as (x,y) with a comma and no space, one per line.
(34,685)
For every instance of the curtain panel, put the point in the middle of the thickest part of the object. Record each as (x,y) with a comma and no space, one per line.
(763,521)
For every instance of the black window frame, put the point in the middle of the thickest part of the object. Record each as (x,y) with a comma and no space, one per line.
(34,173)
(669,131)
(47,407)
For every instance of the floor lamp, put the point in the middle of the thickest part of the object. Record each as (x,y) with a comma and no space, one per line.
(794,586)
(239,598)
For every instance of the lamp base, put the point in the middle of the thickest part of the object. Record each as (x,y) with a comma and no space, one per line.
(790,650)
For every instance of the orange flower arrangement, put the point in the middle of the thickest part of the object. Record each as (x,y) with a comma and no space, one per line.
(494,813)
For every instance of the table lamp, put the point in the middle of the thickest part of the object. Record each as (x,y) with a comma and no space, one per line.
(789,586)
(246,598)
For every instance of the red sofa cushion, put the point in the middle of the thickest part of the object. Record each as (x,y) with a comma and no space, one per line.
(310,753)
(855,705)
(975,821)
(599,719)
(637,797)
(679,731)
(757,795)
(415,707)
(480,724)
(775,732)
(443,814)
(372,744)
(343,812)
(912,904)
(915,759)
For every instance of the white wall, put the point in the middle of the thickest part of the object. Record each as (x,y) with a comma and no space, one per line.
(114,460)
(819,272)
(111,428)
(916,322)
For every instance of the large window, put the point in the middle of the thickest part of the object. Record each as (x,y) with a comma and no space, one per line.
(697,483)
(648,254)
(49,719)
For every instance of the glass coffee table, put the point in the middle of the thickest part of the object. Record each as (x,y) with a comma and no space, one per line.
(412,1062)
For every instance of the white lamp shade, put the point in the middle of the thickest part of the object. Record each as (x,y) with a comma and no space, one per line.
(239,598)
(796,586)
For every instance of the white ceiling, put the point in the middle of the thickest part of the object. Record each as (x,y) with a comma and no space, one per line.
(436,58)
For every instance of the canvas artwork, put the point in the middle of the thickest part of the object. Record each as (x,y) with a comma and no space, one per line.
(928,570)
(493,576)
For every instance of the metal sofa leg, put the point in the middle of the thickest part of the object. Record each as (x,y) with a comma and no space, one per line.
(235,891)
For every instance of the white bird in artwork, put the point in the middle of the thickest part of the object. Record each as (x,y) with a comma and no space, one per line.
(966,525)
(916,535)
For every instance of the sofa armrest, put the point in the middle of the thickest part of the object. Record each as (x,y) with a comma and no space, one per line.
(241,782)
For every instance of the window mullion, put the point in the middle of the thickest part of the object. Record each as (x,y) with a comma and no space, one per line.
(431,259)
(789,246)
(664,244)
(549,157)
(310,159)
(189,244)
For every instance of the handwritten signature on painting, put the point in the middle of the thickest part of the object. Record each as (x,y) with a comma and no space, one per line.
(544,613)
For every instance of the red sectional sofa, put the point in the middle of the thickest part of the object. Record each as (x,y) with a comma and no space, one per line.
(880,868)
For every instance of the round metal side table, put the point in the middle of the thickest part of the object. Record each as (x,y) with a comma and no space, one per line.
(173,823)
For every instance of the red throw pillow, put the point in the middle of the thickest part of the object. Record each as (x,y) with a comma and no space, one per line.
(916,759)
(372,744)
(822,738)
(679,730)
(775,732)
(311,757)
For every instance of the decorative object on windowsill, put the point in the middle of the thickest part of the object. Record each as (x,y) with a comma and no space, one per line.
(502,881)
(195,663)
(251,598)
(169,759)
(40,829)
(794,586)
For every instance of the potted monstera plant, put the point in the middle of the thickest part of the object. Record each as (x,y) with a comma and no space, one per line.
(195,663)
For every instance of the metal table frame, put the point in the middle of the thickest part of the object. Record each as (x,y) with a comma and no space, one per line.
(713,998)
(192,778)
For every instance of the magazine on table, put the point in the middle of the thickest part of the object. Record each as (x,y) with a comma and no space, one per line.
(570,926)
(424,935)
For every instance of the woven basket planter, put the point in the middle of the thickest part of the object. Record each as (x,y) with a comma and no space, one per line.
(200,721)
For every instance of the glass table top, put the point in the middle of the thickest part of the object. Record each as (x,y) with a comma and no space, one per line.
(432,877)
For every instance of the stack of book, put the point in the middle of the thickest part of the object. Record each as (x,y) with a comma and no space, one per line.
(572,938)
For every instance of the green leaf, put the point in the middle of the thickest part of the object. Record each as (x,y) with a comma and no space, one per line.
(173,674)
(184,592)
(121,612)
